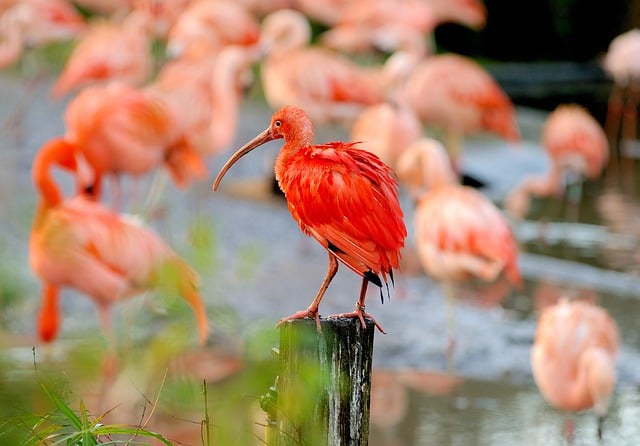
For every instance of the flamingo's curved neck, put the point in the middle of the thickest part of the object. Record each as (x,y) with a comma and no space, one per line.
(285,30)
(225,98)
(56,152)
(11,38)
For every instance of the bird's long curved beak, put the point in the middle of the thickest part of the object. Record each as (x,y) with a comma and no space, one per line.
(262,138)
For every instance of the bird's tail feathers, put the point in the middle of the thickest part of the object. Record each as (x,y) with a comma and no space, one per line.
(185,163)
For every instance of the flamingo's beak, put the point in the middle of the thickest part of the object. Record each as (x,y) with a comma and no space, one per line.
(262,138)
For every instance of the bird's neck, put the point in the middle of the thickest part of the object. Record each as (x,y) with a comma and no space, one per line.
(286,157)
(40,214)
(225,97)
(56,152)
(282,164)
(285,32)
(11,38)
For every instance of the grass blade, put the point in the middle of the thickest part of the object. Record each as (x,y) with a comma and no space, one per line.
(62,407)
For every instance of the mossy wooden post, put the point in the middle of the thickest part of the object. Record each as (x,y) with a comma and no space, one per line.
(324,385)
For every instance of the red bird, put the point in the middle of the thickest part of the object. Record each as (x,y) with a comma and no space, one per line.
(344,197)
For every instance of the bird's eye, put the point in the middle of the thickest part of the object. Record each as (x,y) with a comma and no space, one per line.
(277,123)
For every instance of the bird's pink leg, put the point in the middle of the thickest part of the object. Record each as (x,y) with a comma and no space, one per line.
(449,294)
(116,194)
(360,307)
(312,310)
(454,142)
(110,361)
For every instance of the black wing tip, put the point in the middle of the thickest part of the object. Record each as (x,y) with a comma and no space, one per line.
(333,248)
(373,278)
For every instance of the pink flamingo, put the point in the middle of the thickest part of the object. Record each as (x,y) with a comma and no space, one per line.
(460,234)
(386,25)
(622,63)
(108,52)
(32,23)
(386,129)
(454,94)
(78,243)
(120,129)
(205,94)
(573,357)
(390,25)
(576,144)
(205,27)
(327,85)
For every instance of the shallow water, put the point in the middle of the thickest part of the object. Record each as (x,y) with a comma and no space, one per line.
(257,267)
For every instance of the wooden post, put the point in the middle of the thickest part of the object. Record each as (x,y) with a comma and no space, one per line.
(324,386)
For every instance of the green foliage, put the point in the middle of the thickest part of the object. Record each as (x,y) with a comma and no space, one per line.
(63,426)
(60,425)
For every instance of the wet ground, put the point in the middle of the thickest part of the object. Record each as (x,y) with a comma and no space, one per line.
(256,267)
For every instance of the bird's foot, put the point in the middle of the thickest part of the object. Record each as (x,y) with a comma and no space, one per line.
(308,313)
(360,314)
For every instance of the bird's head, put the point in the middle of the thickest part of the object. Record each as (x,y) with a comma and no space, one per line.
(289,123)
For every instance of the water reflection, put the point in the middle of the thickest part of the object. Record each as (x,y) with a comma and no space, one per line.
(620,214)
(497,413)
(409,407)
(591,253)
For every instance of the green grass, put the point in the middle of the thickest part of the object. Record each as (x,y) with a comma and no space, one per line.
(64,426)
(46,407)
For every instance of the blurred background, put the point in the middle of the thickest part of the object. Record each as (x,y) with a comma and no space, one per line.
(255,266)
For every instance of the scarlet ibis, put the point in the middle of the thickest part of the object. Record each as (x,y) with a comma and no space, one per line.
(344,197)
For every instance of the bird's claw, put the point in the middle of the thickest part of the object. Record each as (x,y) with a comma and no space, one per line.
(360,314)
(308,313)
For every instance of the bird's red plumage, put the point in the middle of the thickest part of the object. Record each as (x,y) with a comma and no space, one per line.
(346,197)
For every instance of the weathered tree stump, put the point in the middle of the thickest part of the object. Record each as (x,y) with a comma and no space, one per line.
(324,384)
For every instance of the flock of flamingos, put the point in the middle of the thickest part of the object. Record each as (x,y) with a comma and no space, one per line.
(130,114)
